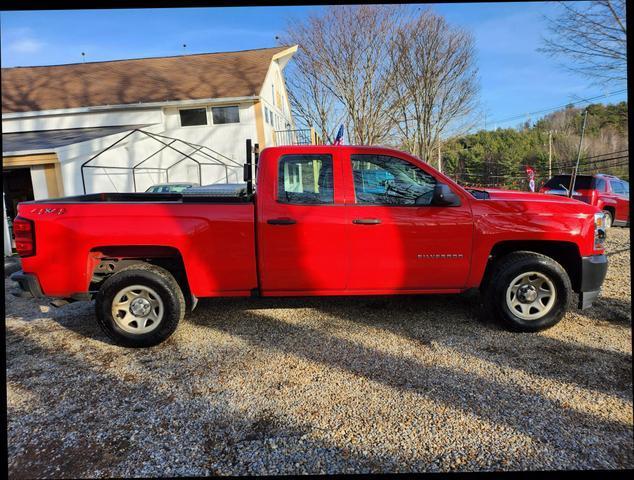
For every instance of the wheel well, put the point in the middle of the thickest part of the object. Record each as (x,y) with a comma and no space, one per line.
(565,253)
(612,211)
(106,261)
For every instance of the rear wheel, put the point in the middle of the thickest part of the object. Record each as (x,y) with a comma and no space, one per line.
(608,218)
(528,291)
(140,306)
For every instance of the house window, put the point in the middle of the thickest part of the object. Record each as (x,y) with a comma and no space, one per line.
(226,114)
(305,179)
(193,116)
(266,114)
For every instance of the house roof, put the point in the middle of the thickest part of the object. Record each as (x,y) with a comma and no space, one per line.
(52,139)
(145,80)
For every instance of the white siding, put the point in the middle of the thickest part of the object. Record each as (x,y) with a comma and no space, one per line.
(226,139)
(82,120)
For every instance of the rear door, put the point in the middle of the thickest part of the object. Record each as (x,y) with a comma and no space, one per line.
(398,240)
(301,226)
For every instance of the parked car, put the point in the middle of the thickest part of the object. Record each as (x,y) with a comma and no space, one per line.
(315,226)
(607,192)
(174,187)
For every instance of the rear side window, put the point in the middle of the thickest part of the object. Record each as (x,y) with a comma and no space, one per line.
(385,180)
(626,187)
(617,187)
(581,182)
(305,179)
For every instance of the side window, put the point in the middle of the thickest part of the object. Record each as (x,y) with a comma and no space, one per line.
(626,187)
(385,180)
(225,115)
(617,187)
(305,179)
(193,116)
(600,185)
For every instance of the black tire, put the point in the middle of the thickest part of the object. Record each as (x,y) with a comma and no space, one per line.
(160,281)
(609,218)
(506,270)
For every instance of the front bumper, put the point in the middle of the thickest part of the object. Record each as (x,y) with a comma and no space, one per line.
(29,285)
(593,270)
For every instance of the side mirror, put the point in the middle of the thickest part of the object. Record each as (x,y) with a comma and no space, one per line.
(444,196)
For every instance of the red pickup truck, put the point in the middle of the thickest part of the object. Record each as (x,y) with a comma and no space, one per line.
(324,220)
(607,192)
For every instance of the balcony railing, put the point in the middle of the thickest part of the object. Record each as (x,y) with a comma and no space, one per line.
(305,136)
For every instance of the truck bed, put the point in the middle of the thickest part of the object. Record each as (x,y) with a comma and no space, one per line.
(214,236)
(148,198)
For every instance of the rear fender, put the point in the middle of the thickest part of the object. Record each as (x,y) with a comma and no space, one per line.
(105,261)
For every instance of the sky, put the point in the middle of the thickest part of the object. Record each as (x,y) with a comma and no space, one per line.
(515,78)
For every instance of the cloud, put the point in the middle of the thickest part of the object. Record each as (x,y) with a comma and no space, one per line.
(25,46)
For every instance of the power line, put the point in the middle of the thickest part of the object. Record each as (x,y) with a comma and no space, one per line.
(524,115)
(595,162)
(621,160)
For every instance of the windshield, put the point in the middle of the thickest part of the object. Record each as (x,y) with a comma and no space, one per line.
(168,188)
(582,182)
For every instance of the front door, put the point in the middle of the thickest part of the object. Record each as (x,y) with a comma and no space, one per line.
(301,230)
(399,241)
(621,192)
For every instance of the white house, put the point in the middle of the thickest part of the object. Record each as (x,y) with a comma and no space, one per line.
(201,108)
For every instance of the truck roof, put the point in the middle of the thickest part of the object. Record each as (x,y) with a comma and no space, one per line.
(309,148)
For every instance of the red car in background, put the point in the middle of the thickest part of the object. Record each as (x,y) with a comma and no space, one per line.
(609,193)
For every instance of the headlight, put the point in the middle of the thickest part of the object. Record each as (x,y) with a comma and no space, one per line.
(599,231)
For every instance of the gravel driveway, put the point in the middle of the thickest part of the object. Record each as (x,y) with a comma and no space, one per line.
(328,385)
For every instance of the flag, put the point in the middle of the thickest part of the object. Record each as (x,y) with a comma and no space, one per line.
(339,137)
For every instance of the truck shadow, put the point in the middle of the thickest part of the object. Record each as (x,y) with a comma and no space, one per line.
(456,321)
(483,397)
(227,440)
(451,324)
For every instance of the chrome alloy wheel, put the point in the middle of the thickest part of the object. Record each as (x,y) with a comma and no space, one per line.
(137,309)
(531,295)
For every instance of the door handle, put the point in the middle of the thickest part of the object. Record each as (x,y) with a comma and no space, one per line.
(281,221)
(366,221)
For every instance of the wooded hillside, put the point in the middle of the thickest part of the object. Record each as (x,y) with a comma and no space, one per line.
(499,157)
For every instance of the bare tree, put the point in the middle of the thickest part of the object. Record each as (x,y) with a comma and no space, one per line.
(435,81)
(311,102)
(593,36)
(343,70)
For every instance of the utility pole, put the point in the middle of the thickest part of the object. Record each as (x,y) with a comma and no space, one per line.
(550,153)
(439,159)
(574,174)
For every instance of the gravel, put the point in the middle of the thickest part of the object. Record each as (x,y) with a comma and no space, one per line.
(323,385)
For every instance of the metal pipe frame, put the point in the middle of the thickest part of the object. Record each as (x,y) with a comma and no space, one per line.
(198,149)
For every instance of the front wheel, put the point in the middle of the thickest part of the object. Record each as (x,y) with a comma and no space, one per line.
(528,291)
(608,218)
(140,306)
